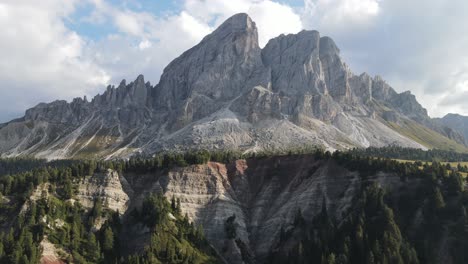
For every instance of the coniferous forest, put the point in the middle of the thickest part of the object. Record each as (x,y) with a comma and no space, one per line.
(378,228)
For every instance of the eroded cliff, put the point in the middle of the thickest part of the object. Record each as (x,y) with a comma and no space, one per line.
(263,193)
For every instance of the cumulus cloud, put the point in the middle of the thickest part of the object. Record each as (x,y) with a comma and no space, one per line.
(41,58)
(429,50)
(339,14)
(125,56)
(272,18)
(144,44)
(128,23)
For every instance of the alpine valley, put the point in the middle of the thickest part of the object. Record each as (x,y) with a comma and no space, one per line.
(238,155)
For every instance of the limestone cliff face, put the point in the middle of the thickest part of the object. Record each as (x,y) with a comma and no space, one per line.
(220,68)
(110,188)
(263,193)
(228,93)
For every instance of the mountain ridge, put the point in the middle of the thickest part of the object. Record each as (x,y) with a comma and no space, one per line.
(456,122)
(228,93)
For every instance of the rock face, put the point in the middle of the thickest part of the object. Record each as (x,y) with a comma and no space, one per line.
(224,65)
(50,254)
(110,188)
(228,93)
(263,193)
(456,122)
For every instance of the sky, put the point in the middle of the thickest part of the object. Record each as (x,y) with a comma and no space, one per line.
(56,49)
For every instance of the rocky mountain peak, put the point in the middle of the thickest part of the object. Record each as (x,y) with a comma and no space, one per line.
(40,112)
(237,22)
(452,115)
(140,79)
(122,84)
(328,46)
(294,63)
(139,92)
(216,70)
(133,94)
(228,93)
(457,122)
(408,104)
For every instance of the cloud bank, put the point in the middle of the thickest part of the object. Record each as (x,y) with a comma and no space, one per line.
(41,59)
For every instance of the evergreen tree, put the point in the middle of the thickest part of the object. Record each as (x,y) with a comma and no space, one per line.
(108,241)
(437,199)
(93,249)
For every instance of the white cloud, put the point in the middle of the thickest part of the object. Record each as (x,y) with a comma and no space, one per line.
(41,58)
(216,11)
(272,18)
(126,55)
(144,44)
(128,23)
(339,14)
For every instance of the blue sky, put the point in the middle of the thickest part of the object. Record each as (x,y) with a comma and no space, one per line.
(55,49)
(96,31)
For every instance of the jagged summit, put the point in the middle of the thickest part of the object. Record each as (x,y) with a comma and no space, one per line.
(328,46)
(237,22)
(228,93)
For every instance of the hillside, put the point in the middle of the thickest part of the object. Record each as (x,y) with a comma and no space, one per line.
(299,207)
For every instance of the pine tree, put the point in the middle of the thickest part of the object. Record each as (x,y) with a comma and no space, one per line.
(455,183)
(437,199)
(10,240)
(93,250)
(68,189)
(370,258)
(24,260)
(75,236)
(108,243)
(2,249)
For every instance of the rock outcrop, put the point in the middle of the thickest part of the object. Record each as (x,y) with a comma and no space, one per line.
(264,194)
(228,93)
(456,123)
(50,253)
(110,188)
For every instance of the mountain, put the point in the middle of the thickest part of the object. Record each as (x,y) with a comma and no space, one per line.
(228,93)
(456,122)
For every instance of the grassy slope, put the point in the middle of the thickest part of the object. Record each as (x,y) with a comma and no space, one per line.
(453,164)
(426,136)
